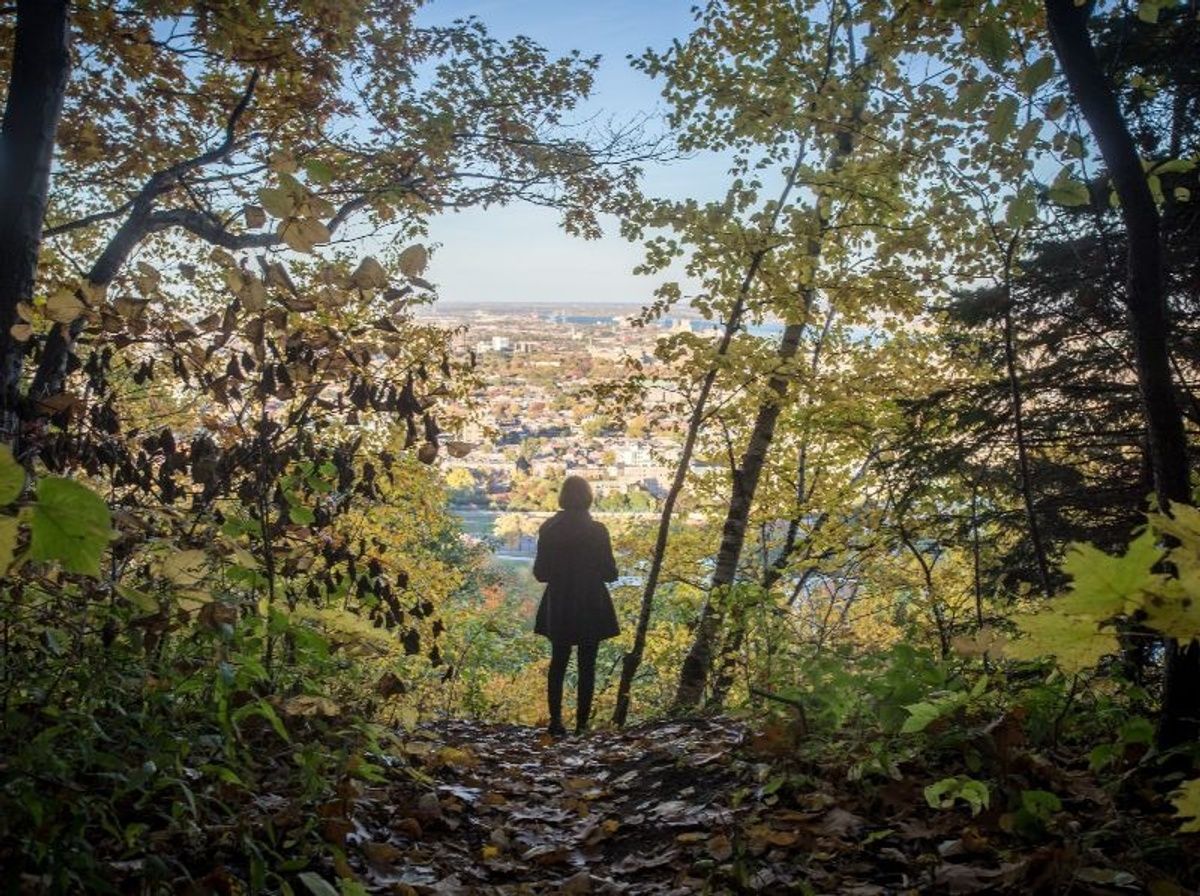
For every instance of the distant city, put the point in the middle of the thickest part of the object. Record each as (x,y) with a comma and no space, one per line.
(533,423)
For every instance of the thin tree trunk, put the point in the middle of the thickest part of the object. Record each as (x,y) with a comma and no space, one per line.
(1014,389)
(633,659)
(1145,297)
(41,63)
(694,672)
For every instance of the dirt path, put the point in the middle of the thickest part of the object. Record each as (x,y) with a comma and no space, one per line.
(516,812)
(699,806)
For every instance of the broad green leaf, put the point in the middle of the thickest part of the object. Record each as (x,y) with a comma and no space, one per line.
(277,201)
(994,43)
(1040,803)
(1036,74)
(301,515)
(1004,119)
(12,476)
(319,172)
(1137,731)
(920,717)
(70,524)
(1103,585)
(942,794)
(1074,641)
(1022,208)
(1148,11)
(8,541)
(1066,190)
(316,884)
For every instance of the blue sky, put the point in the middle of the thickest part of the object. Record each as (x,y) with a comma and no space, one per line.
(518,254)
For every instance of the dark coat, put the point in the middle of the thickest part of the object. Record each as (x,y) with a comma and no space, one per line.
(575,559)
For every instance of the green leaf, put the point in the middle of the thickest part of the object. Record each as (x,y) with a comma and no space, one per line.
(1041,804)
(69,524)
(8,541)
(318,171)
(1036,74)
(942,794)
(316,884)
(1103,585)
(12,476)
(278,202)
(1066,190)
(1003,119)
(1148,11)
(301,515)
(1075,642)
(1022,208)
(1137,731)
(994,43)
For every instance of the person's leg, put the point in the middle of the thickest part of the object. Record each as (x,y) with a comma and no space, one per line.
(587,685)
(560,655)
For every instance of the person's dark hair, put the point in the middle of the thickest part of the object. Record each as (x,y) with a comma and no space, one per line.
(575,494)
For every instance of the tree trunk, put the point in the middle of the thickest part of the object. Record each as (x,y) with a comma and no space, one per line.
(694,672)
(633,659)
(1145,298)
(733,534)
(1014,389)
(41,63)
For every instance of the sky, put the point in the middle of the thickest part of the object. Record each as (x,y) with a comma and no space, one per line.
(518,253)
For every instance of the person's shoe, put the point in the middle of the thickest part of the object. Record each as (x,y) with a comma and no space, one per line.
(557,729)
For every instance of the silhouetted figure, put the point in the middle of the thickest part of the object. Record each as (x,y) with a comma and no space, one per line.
(574,559)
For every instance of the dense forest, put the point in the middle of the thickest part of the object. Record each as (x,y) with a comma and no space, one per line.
(918,611)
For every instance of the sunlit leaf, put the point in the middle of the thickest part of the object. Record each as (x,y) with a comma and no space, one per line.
(12,476)
(1186,801)
(9,530)
(1075,642)
(70,524)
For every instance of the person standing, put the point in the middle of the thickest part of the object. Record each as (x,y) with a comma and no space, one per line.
(574,560)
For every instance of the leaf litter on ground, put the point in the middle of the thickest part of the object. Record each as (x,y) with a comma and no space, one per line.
(697,806)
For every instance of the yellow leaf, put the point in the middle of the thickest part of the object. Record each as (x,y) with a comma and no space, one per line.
(1075,642)
(254,294)
(413,260)
(64,306)
(369,274)
(1174,608)
(185,567)
(311,705)
(1187,805)
(8,541)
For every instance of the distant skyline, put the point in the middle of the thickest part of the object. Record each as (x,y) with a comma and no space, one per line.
(518,254)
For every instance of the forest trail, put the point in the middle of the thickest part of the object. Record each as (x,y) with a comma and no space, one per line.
(674,807)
